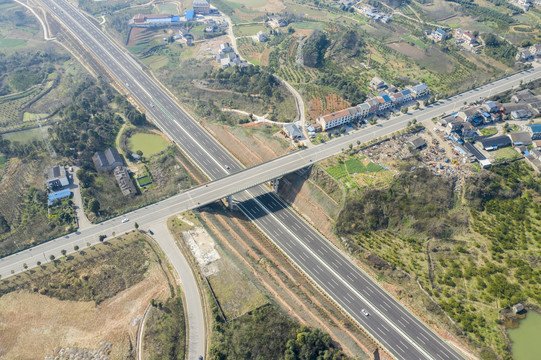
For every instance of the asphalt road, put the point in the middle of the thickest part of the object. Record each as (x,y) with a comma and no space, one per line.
(402,334)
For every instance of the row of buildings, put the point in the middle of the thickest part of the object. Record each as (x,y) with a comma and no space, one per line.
(463,125)
(201,7)
(377,104)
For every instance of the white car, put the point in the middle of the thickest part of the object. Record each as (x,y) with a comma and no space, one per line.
(365,313)
(125,220)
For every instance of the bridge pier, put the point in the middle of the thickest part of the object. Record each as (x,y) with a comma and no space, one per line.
(274,184)
(230,202)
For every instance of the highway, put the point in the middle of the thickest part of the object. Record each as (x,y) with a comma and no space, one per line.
(398,331)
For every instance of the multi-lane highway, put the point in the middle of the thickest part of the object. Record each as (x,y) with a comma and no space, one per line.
(398,331)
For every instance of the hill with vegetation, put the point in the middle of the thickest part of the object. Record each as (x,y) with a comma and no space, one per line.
(474,248)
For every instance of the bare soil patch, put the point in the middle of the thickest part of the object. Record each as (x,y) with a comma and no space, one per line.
(33,324)
(331,103)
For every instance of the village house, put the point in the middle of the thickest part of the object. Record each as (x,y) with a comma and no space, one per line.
(523,55)
(535,50)
(107,160)
(201,6)
(377,84)
(420,90)
(124,181)
(56,177)
(439,35)
(335,119)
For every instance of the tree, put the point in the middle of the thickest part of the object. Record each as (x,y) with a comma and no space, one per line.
(94,206)
(76,248)
(64,252)
(136,226)
(38,263)
(4,226)
(25,266)
(52,257)
(139,152)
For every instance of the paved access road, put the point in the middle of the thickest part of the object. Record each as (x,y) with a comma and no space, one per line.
(393,326)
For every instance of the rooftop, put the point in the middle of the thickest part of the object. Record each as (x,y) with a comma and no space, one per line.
(335,115)
(496,141)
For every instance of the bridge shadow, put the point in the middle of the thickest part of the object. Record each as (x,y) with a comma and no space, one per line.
(289,187)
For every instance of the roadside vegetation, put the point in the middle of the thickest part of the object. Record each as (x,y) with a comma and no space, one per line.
(473,251)
(165,332)
(267,334)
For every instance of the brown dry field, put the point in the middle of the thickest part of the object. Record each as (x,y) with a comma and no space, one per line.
(34,325)
(264,59)
(272,6)
(333,103)
(408,50)
(249,150)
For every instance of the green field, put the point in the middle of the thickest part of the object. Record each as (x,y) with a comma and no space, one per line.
(416,41)
(352,166)
(168,8)
(144,180)
(10,43)
(31,116)
(506,153)
(337,171)
(25,136)
(249,3)
(149,144)
(488,131)
(248,30)
(156,62)
(309,25)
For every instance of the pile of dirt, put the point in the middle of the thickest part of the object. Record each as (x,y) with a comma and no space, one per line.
(82,354)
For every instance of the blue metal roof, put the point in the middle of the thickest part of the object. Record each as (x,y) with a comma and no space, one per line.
(385,97)
(535,128)
(486,114)
(175,18)
(440,31)
(58,195)
(189,14)
(406,92)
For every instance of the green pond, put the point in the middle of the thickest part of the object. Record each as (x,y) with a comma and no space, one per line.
(526,338)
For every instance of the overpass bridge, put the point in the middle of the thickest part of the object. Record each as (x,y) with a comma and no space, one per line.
(399,332)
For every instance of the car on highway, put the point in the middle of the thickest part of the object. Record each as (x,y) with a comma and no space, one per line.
(150,232)
(365,313)
(125,220)
(227,167)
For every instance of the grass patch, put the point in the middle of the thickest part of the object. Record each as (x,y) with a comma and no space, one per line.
(235,293)
(32,116)
(149,144)
(507,153)
(168,8)
(414,40)
(25,136)
(248,30)
(309,25)
(488,131)
(11,43)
